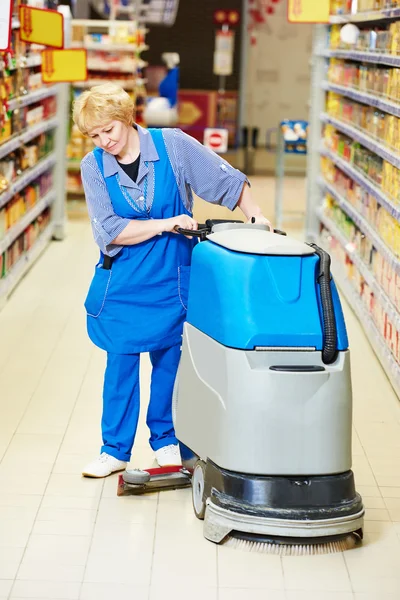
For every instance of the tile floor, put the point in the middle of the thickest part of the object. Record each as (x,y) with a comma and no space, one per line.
(63,537)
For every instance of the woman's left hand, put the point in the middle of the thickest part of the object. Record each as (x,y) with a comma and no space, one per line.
(261,220)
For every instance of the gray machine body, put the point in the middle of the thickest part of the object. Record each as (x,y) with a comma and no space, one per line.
(231,408)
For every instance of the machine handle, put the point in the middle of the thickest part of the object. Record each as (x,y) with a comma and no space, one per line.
(200,233)
(298,368)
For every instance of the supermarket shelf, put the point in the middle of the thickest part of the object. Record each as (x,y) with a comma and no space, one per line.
(362,224)
(366,16)
(74,165)
(31,61)
(27,177)
(75,192)
(392,108)
(109,68)
(99,46)
(24,264)
(385,301)
(391,60)
(26,136)
(32,97)
(359,178)
(127,85)
(377,342)
(364,139)
(26,220)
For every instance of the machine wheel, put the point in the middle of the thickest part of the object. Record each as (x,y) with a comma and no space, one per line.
(198,480)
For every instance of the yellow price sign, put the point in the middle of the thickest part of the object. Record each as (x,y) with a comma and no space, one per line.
(41,26)
(308,11)
(60,66)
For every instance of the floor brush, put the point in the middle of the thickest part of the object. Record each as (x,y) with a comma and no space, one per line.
(290,546)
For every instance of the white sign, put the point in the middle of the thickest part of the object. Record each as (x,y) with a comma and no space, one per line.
(223,55)
(216,139)
(5,23)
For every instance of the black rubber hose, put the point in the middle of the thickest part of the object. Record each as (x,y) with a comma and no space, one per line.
(329,350)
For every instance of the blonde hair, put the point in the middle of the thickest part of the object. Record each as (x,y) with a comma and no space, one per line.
(101,104)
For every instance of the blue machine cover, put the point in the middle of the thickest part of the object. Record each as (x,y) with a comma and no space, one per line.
(247,300)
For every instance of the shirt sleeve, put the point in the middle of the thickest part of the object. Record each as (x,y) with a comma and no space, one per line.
(205,172)
(106,225)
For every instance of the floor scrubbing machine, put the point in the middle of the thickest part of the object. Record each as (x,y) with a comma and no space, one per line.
(263,396)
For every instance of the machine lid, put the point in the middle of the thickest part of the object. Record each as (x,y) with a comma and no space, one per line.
(251,240)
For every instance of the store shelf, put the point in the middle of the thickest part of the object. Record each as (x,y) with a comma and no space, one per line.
(76,192)
(100,47)
(26,136)
(385,301)
(74,165)
(127,85)
(362,180)
(27,177)
(391,60)
(92,66)
(377,342)
(392,108)
(364,139)
(24,264)
(15,231)
(366,16)
(31,61)
(362,224)
(32,97)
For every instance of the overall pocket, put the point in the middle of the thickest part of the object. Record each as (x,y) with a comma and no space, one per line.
(97,293)
(183,285)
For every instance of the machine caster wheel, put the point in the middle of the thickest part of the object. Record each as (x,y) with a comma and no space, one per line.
(198,479)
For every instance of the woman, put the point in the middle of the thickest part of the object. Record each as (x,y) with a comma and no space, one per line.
(138,186)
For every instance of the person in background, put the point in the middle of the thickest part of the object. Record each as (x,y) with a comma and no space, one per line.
(138,185)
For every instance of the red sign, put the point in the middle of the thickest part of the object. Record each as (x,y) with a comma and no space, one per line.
(216,139)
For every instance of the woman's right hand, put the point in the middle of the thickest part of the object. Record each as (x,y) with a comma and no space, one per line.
(180,222)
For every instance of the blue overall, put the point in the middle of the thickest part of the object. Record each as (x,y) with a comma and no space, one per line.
(139,305)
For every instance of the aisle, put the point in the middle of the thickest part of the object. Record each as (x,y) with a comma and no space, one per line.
(64,537)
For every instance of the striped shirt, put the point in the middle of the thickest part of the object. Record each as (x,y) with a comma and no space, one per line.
(195,168)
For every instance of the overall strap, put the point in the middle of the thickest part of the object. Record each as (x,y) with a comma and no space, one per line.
(98,154)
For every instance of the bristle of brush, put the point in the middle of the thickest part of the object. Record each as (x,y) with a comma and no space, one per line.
(340,545)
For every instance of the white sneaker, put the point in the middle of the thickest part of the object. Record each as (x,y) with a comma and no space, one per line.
(169,456)
(103,466)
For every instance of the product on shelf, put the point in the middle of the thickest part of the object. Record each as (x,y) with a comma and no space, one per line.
(23,201)
(377,170)
(24,242)
(376,80)
(25,157)
(383,39)
(383,127)
(366,205)
(385,276)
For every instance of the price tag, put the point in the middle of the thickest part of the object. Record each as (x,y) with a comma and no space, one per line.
(64,65)
(41,26)
(308,11)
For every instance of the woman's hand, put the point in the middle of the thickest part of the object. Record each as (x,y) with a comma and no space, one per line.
(261,220)
(180,222)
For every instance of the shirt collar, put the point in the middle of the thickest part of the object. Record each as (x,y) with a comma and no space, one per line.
(148,153)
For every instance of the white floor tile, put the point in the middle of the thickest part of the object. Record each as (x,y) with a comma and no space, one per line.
(51,590)
(316,573)
(5,587)
(322,595)
(184,592)
(109,591)
(237,568)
